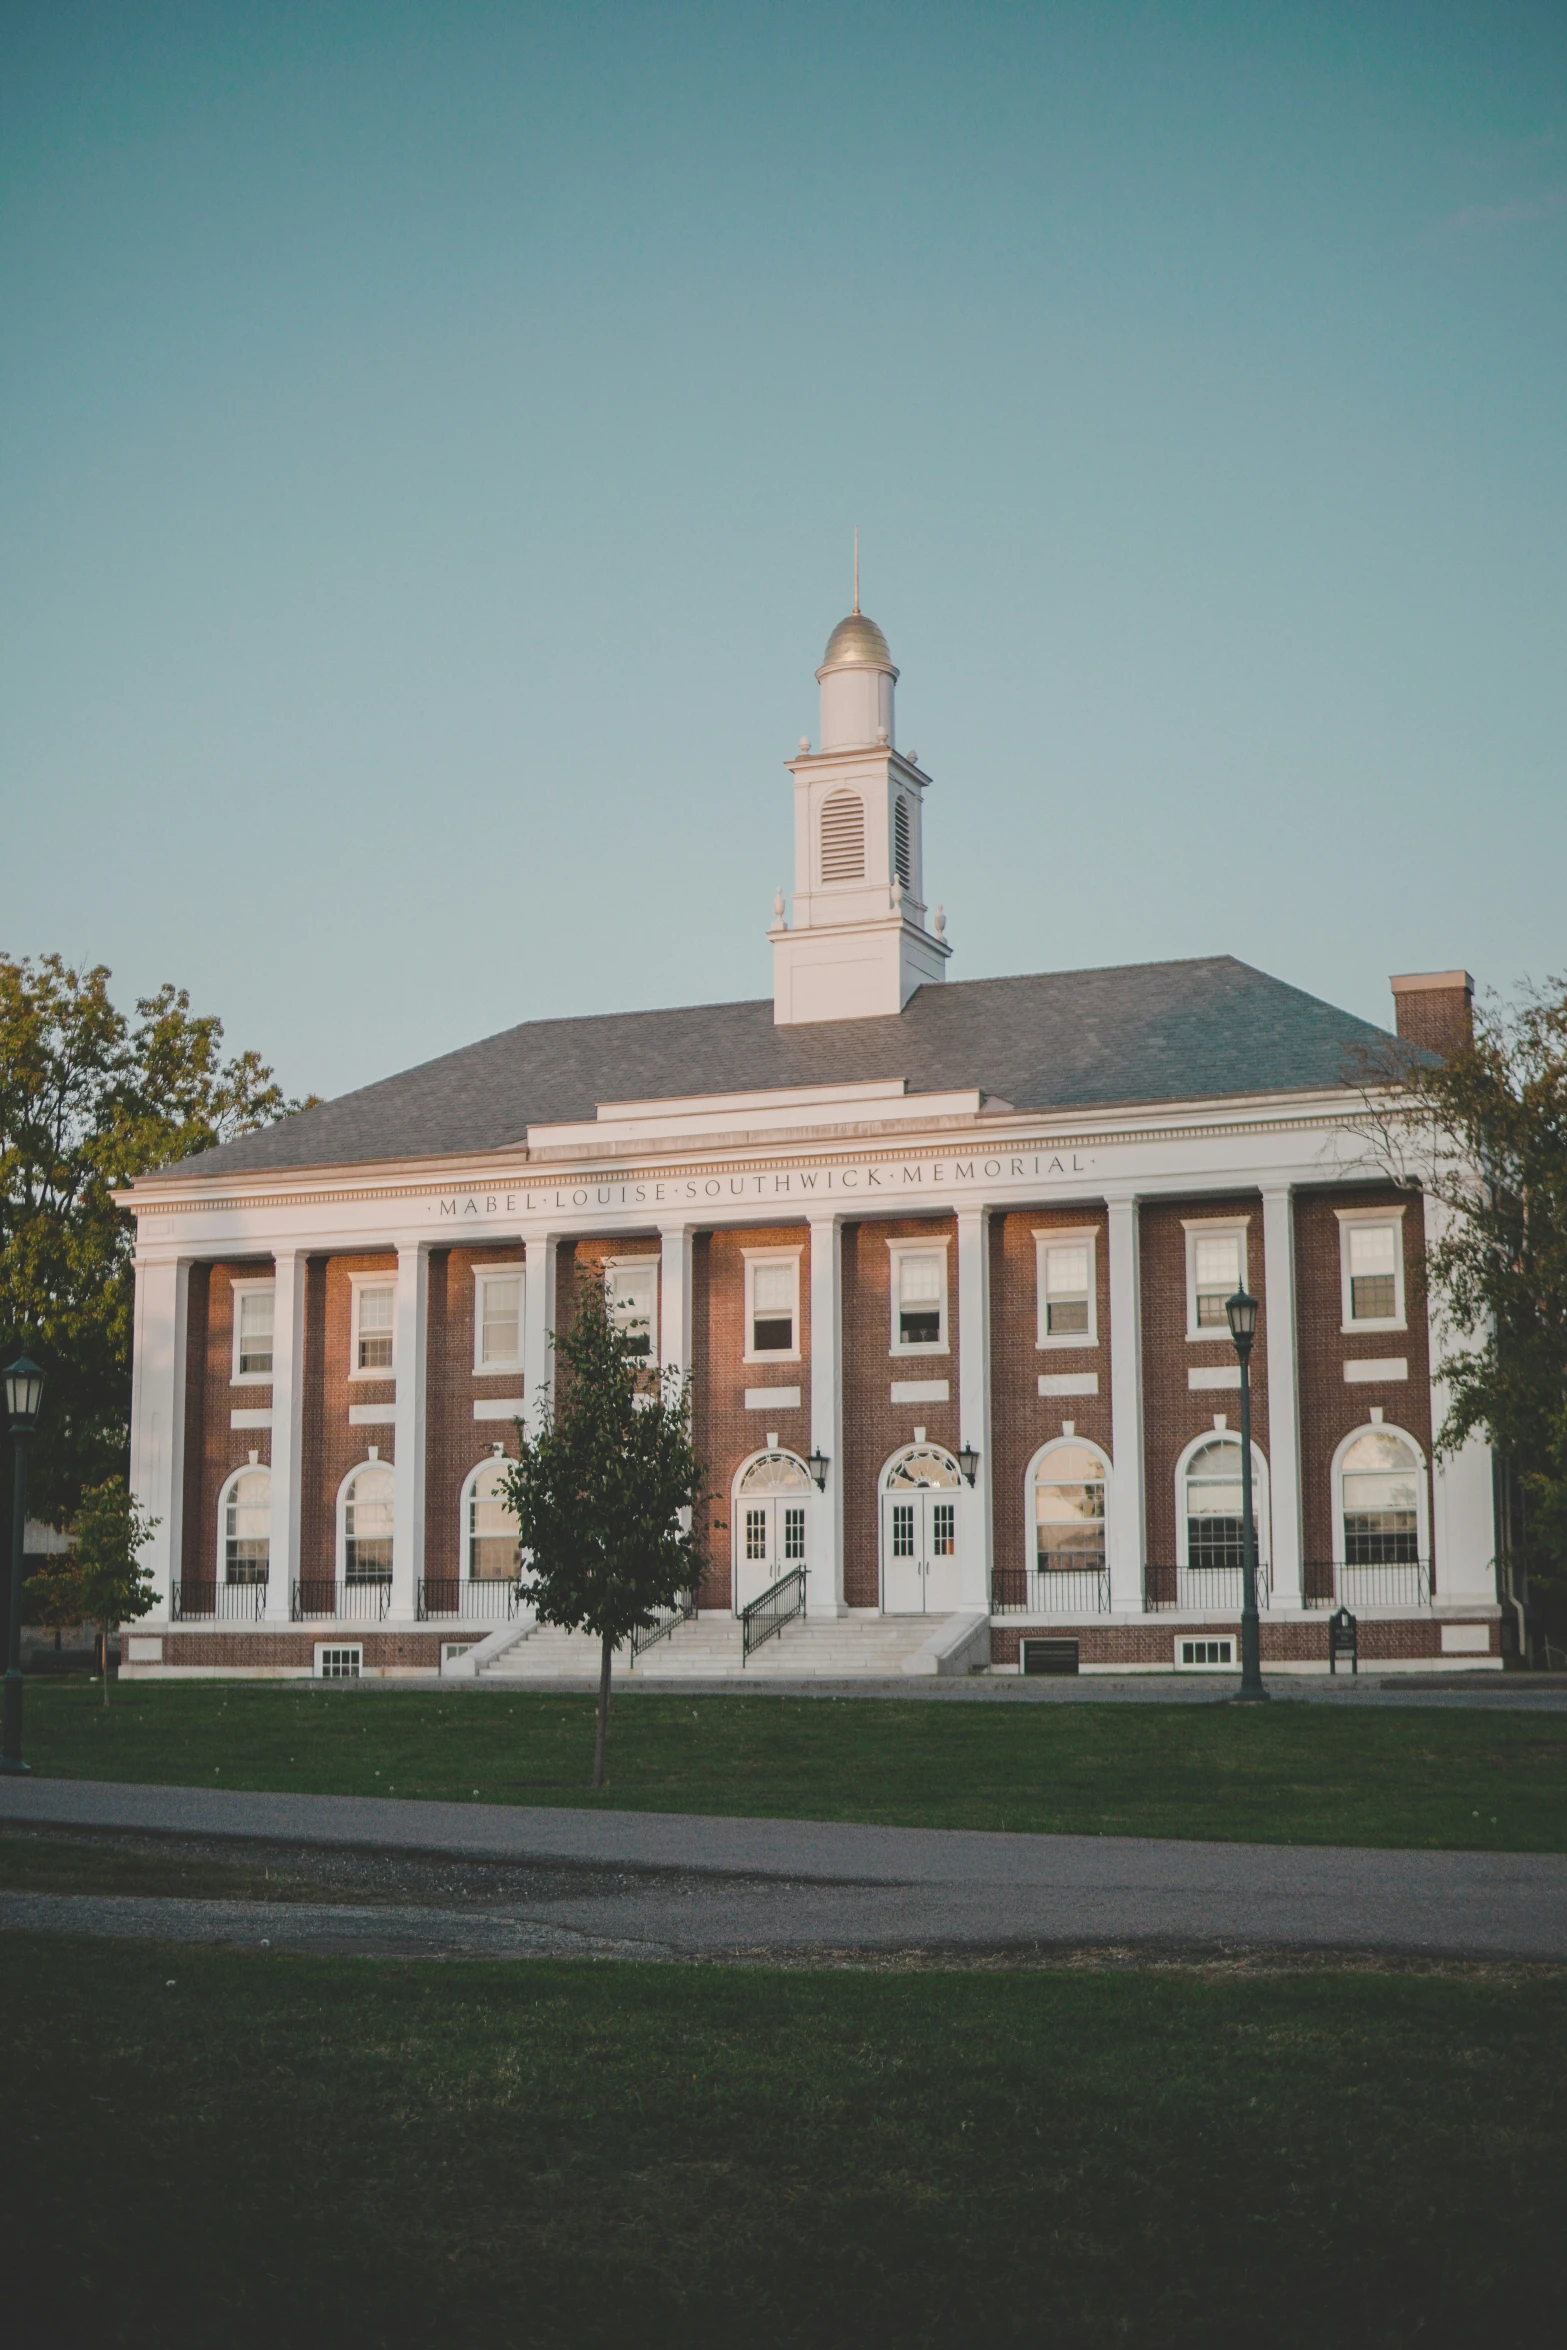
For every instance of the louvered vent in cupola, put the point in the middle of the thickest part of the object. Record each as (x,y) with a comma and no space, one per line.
(902,859)
(843,837)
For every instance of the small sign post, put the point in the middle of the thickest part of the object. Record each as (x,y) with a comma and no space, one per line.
(1343,1640)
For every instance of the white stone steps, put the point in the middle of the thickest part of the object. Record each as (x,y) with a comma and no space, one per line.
(710,1649)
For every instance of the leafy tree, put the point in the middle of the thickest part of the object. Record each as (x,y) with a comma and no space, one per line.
(112,1586)
(90,1098)
(605,1491)
(1484,1132)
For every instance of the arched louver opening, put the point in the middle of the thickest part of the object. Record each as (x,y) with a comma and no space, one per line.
(843,837)
(902,852)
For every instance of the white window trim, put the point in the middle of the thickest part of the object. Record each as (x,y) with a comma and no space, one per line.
(770,1256)
(372,1460)
(508,1367)
(1044,1239)
(648,1257)
(1261,1502)
(1348,1217)
(245,1469)
(338,1647)
(1423,1489)
(497,1452)
(357,1282)
(1208,1228)
(897,1250)
(1031,1477)
(237,1290)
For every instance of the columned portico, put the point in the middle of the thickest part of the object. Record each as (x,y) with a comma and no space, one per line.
(290,1266)
(410,1355)
(824,1585)
(1127,1530)
(674,1289)
(538,1321)
(1283,1358)
(977,1543)
(158,1410)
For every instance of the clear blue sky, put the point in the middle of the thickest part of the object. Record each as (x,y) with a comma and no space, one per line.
(432,435)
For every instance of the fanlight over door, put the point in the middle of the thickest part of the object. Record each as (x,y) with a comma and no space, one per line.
(769,1519)
(919,1534)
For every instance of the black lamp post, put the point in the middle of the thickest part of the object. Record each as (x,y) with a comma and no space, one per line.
(24,1388)
(1241,1311)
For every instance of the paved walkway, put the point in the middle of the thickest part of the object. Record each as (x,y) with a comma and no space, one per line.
(675,1884)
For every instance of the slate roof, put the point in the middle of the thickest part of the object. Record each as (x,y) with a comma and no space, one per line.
(1143,1032)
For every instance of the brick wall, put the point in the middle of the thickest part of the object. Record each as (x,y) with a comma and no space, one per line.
(1173,1414)
(455,1442)
(330,1447)
(1021,1419)
(724,1432)
(213,1450)
(874,1426)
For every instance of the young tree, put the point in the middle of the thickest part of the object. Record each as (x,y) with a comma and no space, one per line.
(1484,1133)
(88,1099)
(606,1491)
(112,1586)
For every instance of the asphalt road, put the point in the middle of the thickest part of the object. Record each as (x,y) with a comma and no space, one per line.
(674,1885)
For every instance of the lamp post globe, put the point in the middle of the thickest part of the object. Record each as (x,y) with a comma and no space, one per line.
(1241,1314)
(24,1391)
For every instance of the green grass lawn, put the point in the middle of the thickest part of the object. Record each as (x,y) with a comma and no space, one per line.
(214,2147)
(1281,1774)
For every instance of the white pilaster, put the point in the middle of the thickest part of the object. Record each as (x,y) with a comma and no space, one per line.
(538,1321)
(158,1413)
(1127,1532)
(974,1399)
(1278,1259)
(288,1408)
(410,1349)
(674,1297)
(1463,1510)
(824,1587)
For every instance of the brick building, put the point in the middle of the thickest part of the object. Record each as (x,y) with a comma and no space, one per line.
(946,1263)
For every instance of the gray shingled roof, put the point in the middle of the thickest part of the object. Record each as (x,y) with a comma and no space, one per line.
(1145,1032)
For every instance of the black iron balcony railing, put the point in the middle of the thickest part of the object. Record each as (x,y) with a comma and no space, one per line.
(1073,1583)
(222,1603)
(470,1602)
(342,1603)
(779,1604)
(1364,1585)
(646,1636)
(1201,1590)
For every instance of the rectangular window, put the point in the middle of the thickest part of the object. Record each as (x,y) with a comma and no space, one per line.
(794,1531)
(1215,1270)
(756,1534)
(1372,1268)
(497,1321)
(772,1304)
(339,1664)
(919,1299)
(943,1529)
(631,1287)
(903,1529)
(375,1305)
(1068,1313)
(253,1303)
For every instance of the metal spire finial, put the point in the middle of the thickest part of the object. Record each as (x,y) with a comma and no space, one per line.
(856,568)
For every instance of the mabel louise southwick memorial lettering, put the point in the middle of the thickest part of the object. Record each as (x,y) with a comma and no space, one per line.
(794,1183)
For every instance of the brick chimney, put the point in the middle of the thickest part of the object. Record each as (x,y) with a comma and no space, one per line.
(1434,1009)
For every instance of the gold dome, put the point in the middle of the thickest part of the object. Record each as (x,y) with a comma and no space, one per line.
(857,641)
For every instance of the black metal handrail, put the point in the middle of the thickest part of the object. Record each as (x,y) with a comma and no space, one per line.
(779,1604)
(1359,1584)
(223,1603)
(1204,1589)
(344,1603)
(646,1636)
(472,1601)
(1070,1582)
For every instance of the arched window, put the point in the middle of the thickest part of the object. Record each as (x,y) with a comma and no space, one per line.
(902,848)
(1211,1507)
(1380,1496)
(843,837)
(245,1526)
(489,1527)
(1069,1510)
(367,1524)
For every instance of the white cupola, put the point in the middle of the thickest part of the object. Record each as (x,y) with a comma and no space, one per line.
(861,941)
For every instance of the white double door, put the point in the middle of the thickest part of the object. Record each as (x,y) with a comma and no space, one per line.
(772,1543)
(919,1551)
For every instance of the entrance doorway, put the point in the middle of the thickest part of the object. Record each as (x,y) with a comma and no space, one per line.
(919,1534)
(769,1523)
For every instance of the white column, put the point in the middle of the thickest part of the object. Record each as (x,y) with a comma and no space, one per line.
(1463,1509)
(410,1351)
(1127,1532)
(1278,1259)
(824,1586)
(674,1297)
(974,1399)
(288,1409)
(538,1321)
(158,1412)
